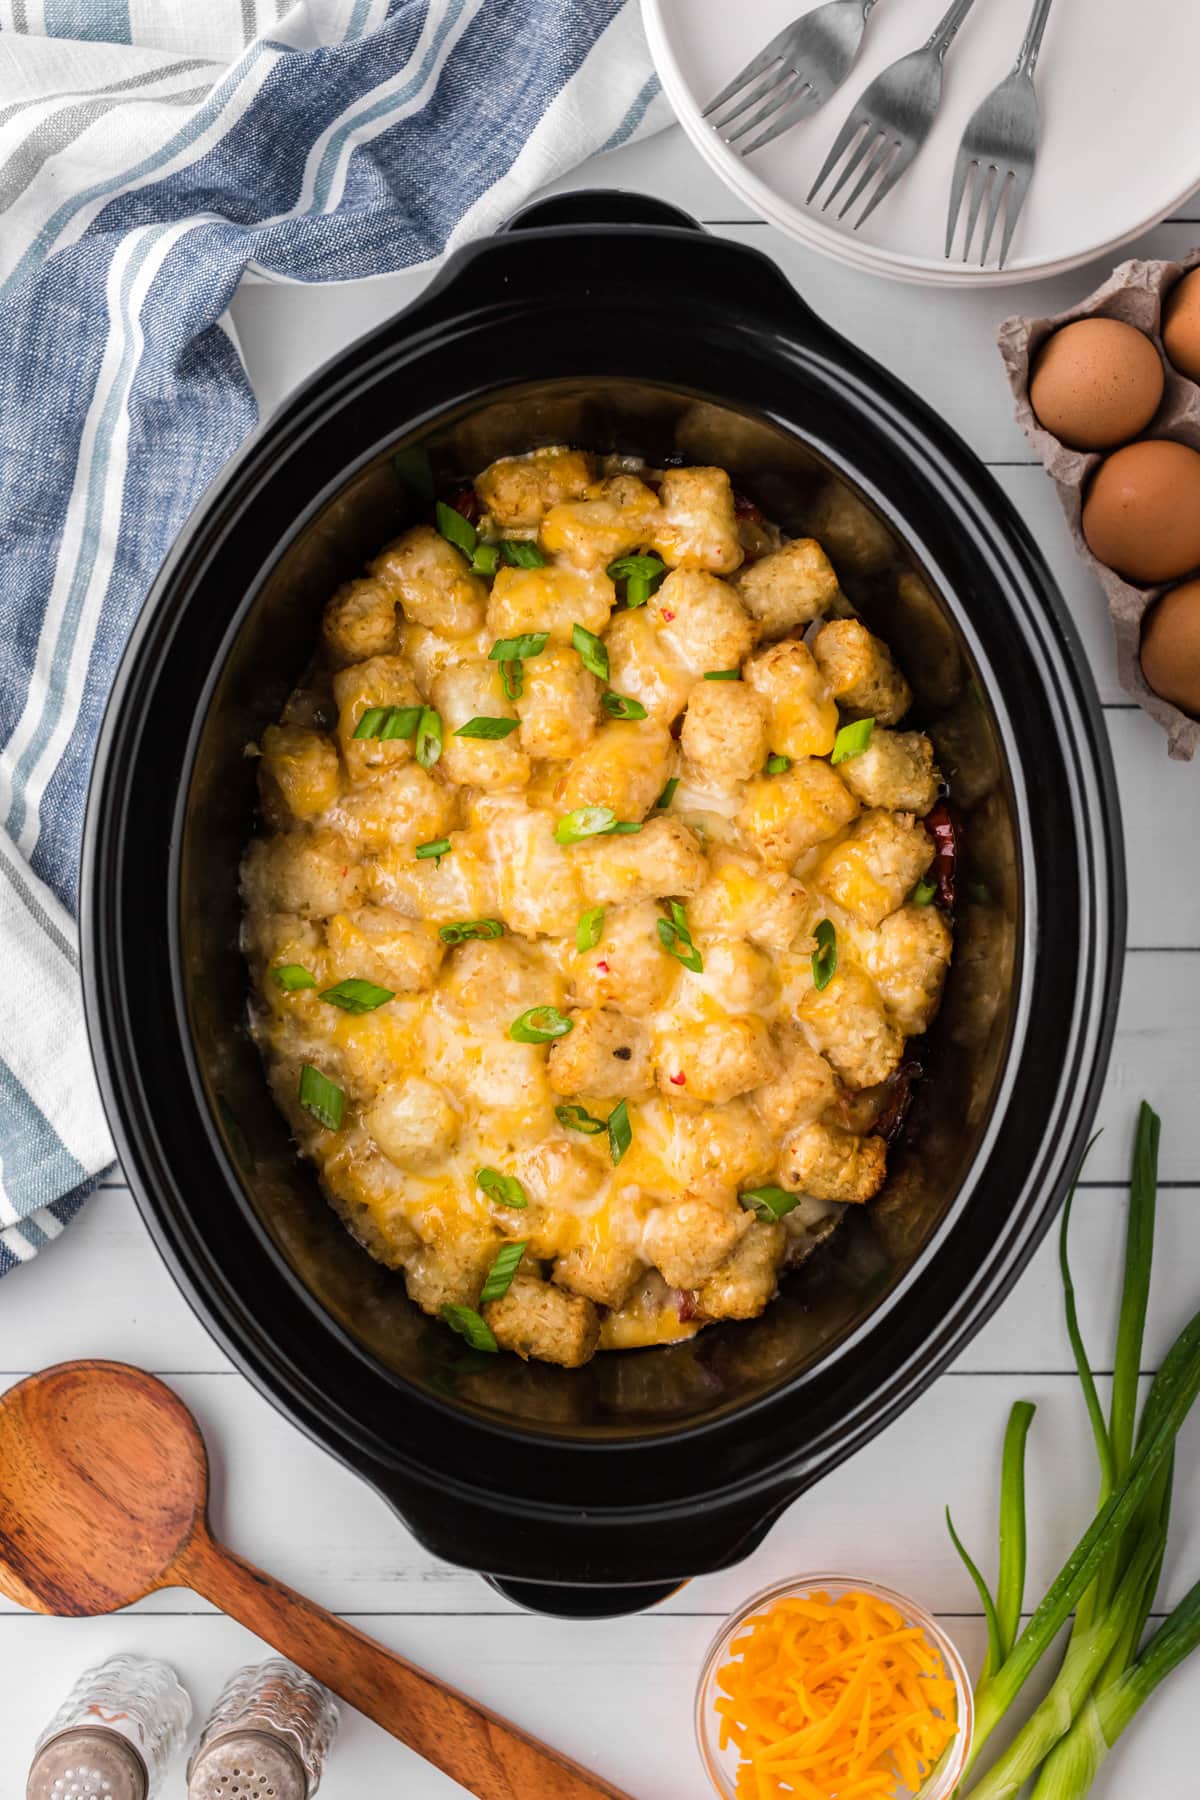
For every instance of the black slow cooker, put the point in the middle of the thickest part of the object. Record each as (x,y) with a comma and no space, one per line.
(611,323)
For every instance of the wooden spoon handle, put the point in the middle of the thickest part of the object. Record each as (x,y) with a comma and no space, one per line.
(489,1757)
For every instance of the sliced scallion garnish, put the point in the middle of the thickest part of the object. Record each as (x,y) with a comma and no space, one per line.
(768,1203)
(592,652)
(620,1132)
(291,977)
(676,937)
(519,649)
(429,737)
(388,722)
(500,1275)
(577,1118)
(455,529)
(621,706)
(667,795)
(322,1098)
(778,765)
(824,957)
(852,740)
(923,893)
(459,930)
(722,674)
(487,726)
(641,575)
(506,1190)
(468,1324)
(520,553)
(486,559)
(438,847)
(584,822)
(587,932)
(539,1025)
(355,995)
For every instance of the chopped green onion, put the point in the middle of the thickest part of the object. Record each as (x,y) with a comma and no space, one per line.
(577,1118)
(620,706)
(923,893)
(768,1203)
(455,529)
(485,726)
(519,553)
(778,765)
(623,828)
(461,929)
(322,1098)
(722,674)
(412,466)
(592,652)
(517,649)
(293,976)
(357,996)
(438,847)
(429,737)
(824,958)
(388,722)
(852,740)
(620,1132)
(468,1324)
(486,559)
(641,575)
(539,1025)
(506,1190)
(667,795)
(584,822)
(675,936)
(587,932)
(1010,1585)
(500,1275)
(512,678)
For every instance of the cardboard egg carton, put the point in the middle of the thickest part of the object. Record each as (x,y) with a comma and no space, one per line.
(1135,293)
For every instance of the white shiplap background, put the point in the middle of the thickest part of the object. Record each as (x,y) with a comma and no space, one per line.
(619,1694)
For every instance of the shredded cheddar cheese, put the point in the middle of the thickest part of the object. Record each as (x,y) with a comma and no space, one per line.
(834,1700)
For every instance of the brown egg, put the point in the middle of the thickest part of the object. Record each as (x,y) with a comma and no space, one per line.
(1171,646)
(1096,383)
(1141,514)
(1181,325)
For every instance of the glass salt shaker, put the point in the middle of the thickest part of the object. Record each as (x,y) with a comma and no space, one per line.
(268,1735)
(114,1735)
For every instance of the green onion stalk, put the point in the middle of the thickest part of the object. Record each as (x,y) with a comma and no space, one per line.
(1111,1576)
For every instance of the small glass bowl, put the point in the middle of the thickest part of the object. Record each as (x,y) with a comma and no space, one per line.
(722,1764)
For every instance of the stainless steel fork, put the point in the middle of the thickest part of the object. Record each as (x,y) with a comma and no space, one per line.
(999,149)
(891,121)
(795,74)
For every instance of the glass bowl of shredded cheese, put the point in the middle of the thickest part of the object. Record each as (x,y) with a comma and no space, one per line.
(832,1688)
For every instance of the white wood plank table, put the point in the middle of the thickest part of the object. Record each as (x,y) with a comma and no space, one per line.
(618,1694)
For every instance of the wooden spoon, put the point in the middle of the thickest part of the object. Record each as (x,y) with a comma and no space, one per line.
(104,1497)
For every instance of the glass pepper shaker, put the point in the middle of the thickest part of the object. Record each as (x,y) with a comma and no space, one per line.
(269,1733)
(113,1736)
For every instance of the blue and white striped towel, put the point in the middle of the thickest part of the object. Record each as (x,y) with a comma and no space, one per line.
(150,152)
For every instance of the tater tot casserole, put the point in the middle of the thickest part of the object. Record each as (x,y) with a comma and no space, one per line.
(594,905)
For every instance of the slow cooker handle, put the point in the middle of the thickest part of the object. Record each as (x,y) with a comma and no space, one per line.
(599,206)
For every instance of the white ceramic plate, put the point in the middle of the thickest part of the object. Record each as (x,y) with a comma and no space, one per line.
(1118,82)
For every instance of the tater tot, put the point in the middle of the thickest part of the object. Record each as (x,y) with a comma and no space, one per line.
(784,815)
(559,705)
(789,588)
(492,981)
(697,526)
(553,599)
(724,733)
(876,866)
(605,1273)
(413,1123)
(802,719)
(616,517)
(742,1285)
(642,664)
(832,1164)
(721,1147)
(537,1319)
(518,491)
(848,1025)
(359,621)
(403,806)
(298,775)
(737,975)
(743,898)
(710,1063)
(907,959)
(804,1086)
(469,691)
(604,1054)
(312,874)
(628,968)
(378,681)
(896,770)
(861,673)
(687,1240)
(383,946)
(432,582)
(665,857)
(625,767)
(702,621)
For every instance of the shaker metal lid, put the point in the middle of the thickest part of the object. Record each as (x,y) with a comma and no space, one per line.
(87,1763)
(247,1764)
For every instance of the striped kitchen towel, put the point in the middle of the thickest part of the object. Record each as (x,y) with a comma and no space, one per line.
(150,152)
